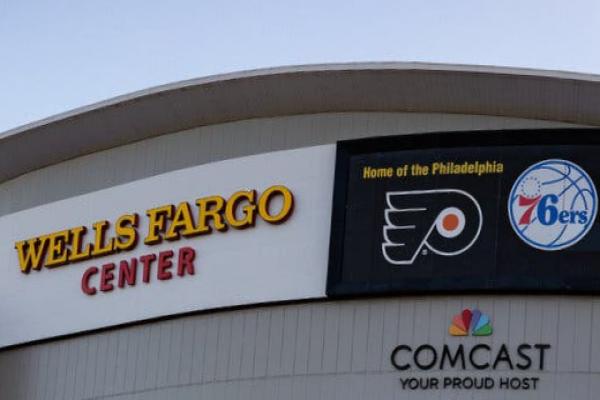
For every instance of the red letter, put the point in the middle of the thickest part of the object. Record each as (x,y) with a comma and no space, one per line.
(164,263)
(185,264)
(85,281)
(147,262)
(106,277)
(530,204)
(127,273)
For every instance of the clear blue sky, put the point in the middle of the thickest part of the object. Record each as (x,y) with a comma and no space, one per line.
(58,55)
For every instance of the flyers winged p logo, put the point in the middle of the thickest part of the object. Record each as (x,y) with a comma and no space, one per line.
(445,221)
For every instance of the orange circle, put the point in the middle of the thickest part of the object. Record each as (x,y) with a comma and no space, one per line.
(450,222)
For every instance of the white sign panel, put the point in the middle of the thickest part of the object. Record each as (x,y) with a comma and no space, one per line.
(263,263)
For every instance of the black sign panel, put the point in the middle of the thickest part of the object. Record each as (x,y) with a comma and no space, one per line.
(467,211)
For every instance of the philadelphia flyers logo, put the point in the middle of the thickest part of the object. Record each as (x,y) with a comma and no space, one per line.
(445,221)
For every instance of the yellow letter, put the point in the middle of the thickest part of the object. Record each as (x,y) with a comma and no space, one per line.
(76,253)
(157,222)
(286,208)
(182,220)
(99,248)
(31,253)
(58,253)
(127,235)
(249,210)
(210,207)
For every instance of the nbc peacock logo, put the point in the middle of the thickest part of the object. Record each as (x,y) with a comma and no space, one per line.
(469,322)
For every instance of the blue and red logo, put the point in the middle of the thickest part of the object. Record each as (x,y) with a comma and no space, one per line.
(553,204)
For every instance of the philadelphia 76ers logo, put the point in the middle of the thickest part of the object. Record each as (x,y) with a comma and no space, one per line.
(552,205)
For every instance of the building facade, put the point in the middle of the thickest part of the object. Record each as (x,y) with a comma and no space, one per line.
(182,242)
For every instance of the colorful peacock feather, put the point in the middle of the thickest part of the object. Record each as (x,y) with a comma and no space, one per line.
(474,322)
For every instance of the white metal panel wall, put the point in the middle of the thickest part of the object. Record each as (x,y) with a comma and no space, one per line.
(320,350)
(218,142)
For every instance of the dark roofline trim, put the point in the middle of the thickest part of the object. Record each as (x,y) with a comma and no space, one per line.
(383,87)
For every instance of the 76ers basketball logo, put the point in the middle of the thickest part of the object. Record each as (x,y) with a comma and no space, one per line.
(445,221)
(552,205)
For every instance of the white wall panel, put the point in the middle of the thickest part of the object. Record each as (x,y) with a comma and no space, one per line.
(264,364)
(260,264)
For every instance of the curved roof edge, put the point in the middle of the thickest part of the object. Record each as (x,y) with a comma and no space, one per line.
(380,86)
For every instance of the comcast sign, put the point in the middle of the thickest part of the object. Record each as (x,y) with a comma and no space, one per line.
(472,356)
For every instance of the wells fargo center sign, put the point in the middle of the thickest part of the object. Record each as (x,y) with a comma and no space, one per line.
(242,231)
